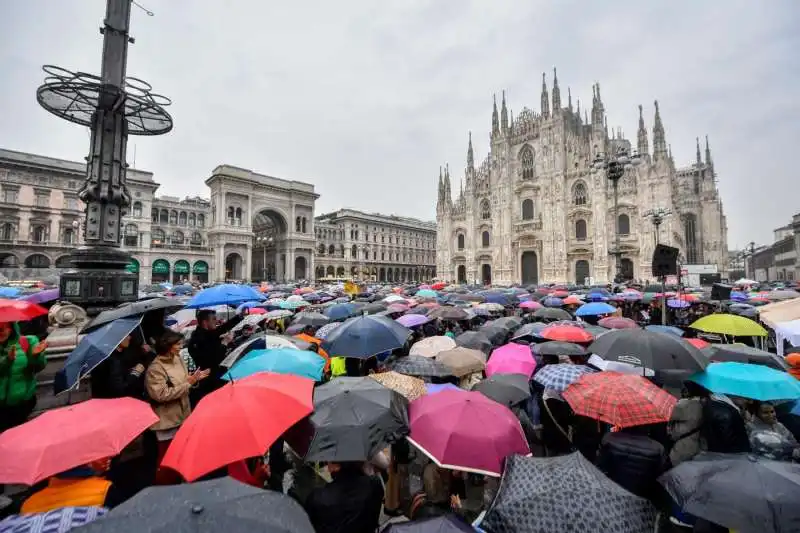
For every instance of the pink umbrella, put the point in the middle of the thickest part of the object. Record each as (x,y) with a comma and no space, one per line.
(465,431)
(511,359)
(531,305)
(397,308)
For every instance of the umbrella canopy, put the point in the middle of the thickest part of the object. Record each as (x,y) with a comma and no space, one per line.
(19,311)
(426,293)
(222,504)
(658,351)
(263,342)
(365,336)
(745,354)
(726,324)
(324,331)
(303,363)
(552,313)
(668,330)
(559,348)
(595,309)
(278,313)
(92,350)
(311,319)
(354,418)
(449,523)
(82,433)
(449,313)
(416,365)
(238,421)
(42,297)
(340,311)
(434,388)
(475,340)
(509,323)
(617,322)
(566,333)
(462,361)
(511,359)
(622,400)
(559,377)
(169,305)
(227,294)
(413,320)
(430,346)
(56,521)
(507,389)
(740,492)
(566,493)
(748,381)
(529,330)
(530,305)
(410,387)
(465,431)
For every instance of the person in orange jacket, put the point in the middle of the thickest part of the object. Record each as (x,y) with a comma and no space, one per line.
(84,486)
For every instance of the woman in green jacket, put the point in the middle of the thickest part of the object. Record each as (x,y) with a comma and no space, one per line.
(21,358)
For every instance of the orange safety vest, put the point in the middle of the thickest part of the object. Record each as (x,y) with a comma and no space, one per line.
(62,492)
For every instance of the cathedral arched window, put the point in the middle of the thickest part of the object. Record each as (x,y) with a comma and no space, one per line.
(354,252)
(624,225)
(526,162)
(527,209)
(297,224)
(485,239)
(460,241)
(486,211)
(331,250)
(321,250)
(580,230)
(579,194)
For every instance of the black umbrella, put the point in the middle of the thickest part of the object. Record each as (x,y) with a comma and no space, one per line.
(552,313)
(650,349)
(168,305)
(738,491)
(373,308)
(211,506)
(449,523)
(744,354)
(418,311)
(475,340)
(508,389)
(449,313)
(509,323)
(311,319)
(559,348)
(353,419)
(416,365)
(497,335)
(529,330)
(566,493)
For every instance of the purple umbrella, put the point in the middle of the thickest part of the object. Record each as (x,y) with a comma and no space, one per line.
(410,321)
(678,304)
(433,388)
(42,297)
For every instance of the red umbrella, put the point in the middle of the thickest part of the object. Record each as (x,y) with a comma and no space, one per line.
(465,431)
(238,421)
(572,300)
(617,322)
(256,311)
(566,333)
(62,439)
(698,343)
(19,310)
(623,400)
(438,286)
(560,294)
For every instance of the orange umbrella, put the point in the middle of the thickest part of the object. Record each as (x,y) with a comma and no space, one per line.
(313,340)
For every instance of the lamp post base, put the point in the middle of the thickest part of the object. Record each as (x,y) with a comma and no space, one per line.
(100,280)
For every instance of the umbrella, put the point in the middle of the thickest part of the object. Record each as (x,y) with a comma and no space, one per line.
(507,389)
(566,493)
(340,311)
(529,330)
(226,293)
(658,351)
(426,293)
(449,313)
(566,333)
(435,388)
(740,492)
(530,305)
(293,304)
(301,363)
(81,433)
(310,319)
(617,322)
(9,292)
(410,387)
(698,343)
(748,381)
(92,350)
(509,323)
(668,330)
(559,348)
(354,418)
(552,301)
(365,336)
(622,400)
(324,331)
(430,346)
(413,320)
(19,311)
(492,307)
(263,342)
(416,365)
(42,297)
(497,335)
(222,504)
(559,377)
(511,359)
(745,354)
(552,313)
(726,324)
(465,431)
(462,361)
(278,314)
(238,421)
(141,307)
(595,309)
(56,521)
(475,340)
(449,523)
(783,295)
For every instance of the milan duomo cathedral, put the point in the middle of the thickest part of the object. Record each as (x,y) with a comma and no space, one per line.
(535,210)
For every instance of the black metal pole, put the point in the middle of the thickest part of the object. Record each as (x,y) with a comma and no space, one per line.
(617,266)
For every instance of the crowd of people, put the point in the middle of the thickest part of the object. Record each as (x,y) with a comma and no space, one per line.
(598,373)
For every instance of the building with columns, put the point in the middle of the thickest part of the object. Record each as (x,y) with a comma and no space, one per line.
(535,210)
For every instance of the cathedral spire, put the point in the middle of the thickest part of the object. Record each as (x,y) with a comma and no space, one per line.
(699,159)
(578,112)
(448,197)
(642,145)
(470,155)
(511,123)
(708,153)
(504,115)
(441,185)
(597,105)
(495,119)
(545,99)
(556,93)
(659,141)
(569,100)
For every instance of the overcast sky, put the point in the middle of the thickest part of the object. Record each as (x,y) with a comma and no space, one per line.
(365,99)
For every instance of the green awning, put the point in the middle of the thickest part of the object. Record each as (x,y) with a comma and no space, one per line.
(160,266)
(200,267)
(181,267)
(133,266)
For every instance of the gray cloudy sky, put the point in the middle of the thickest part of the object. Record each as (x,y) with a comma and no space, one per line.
(367,98)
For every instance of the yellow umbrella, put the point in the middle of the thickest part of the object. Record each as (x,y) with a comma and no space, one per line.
(725,324)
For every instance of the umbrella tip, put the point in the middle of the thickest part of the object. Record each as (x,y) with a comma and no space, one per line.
(197,509)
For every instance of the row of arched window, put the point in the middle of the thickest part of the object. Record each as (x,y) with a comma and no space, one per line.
(355,253)
(300,225)
(174,217)
(485,240)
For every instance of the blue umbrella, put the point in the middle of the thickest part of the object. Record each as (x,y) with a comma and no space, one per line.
(427,293)
(303,363)
(56,521)
(227,294)
(678,304)
(365,336)
(9,292)
(340,311)
(552,301)
(93,349)
(595,309)
(669,330)
(433,388)
(182,289)
(756,382)
(597,297)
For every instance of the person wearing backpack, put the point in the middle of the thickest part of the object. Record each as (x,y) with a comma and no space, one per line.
(21,358)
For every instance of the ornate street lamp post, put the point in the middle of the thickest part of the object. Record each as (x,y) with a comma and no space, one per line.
(615,167)
(113,106)
(657,217)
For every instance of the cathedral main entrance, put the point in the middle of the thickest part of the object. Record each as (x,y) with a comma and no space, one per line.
(582,273)
(461,274)
(530,268)
(626,268)
(486,274)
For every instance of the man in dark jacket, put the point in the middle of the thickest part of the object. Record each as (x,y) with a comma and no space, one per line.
(723,427)
(633,460)
(122,373)
(351,503)
(207,350)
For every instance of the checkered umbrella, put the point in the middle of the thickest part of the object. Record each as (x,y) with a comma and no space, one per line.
(559,377)
(623,400)
(323,332)
(416,365)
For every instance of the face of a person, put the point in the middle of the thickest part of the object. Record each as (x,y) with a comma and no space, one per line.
(210,322)
(5,331)
(767,413)
(175,349)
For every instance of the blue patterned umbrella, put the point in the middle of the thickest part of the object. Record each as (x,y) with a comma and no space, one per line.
(55,521)
(324,331)
(559,377)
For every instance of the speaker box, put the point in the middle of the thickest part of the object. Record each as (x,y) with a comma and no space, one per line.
(665,260)
(721,292)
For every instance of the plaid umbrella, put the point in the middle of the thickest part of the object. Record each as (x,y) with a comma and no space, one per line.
(55,521)
(559,377)
(323,332)
(410,387)
(622,400)
(416,365)
(566,493)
